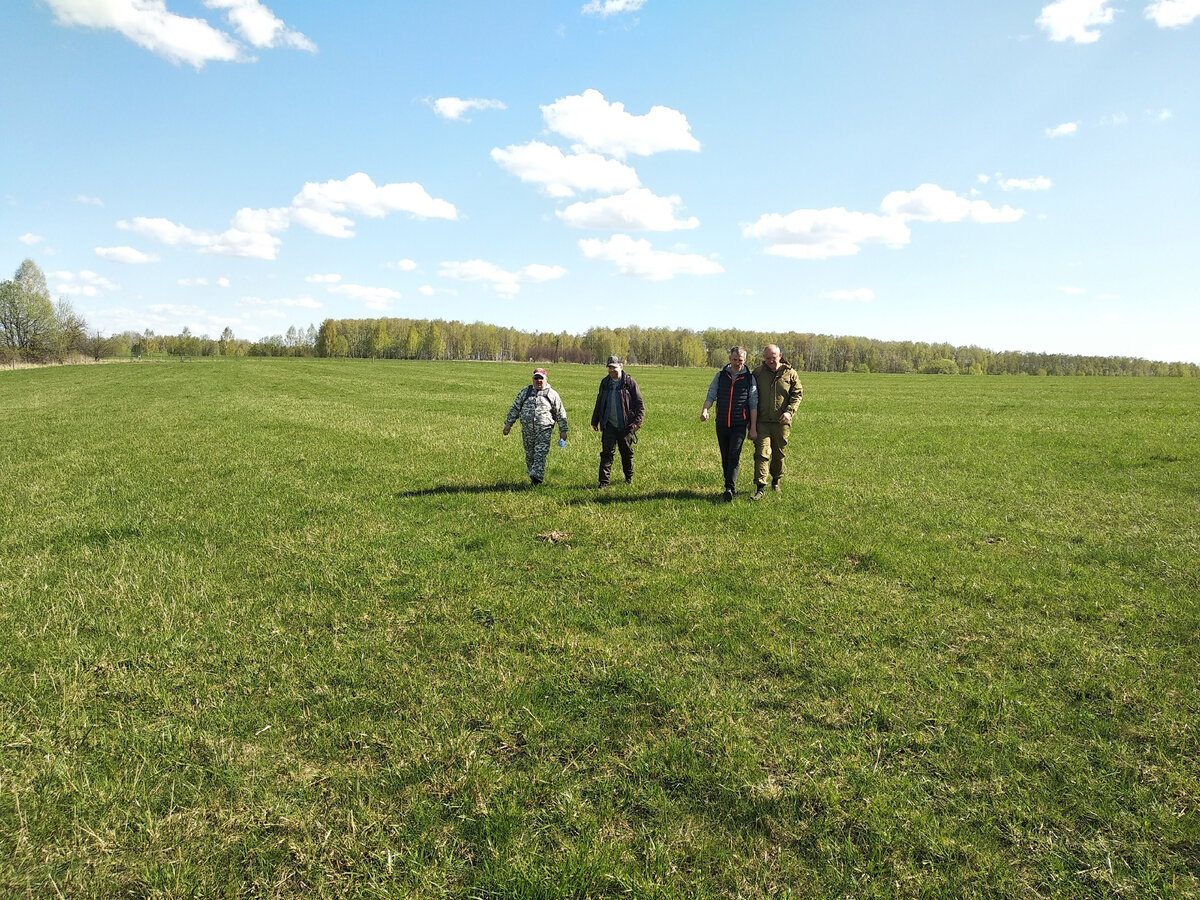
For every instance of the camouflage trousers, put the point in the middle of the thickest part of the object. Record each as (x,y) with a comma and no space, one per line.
(769,450)
(537,447)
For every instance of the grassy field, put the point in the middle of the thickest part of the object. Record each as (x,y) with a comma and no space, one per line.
(291,628)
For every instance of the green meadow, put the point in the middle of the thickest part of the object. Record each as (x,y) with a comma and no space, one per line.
(301,628)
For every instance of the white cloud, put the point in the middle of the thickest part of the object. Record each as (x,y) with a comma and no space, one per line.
(561,175)
(82,284)
(1160,115)
(822,233)
(29,239)
(634,210)
(502,281)
(427,290)
(930,203)
(1173,13)
(149,25)
(324,223)
(223,282)
(257,25)
(857,295)
(595,124)
(1063,130)
(164,231)
(377,298)
(611,7)
(88,201)
(1115,119)
(127,255)
(242,240)
(454,108)
(1075,20)
(359,194)
(1040,183)
(640,259)
(404,265)
(252,233)
(323,279)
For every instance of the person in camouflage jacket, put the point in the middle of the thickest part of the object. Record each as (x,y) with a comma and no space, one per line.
(538,406)
(779,395)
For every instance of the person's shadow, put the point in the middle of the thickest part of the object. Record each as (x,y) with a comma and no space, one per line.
(587,494)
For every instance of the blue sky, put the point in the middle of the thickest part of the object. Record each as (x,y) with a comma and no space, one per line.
(1015,175)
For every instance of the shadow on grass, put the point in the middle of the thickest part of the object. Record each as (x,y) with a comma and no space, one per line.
(586,495)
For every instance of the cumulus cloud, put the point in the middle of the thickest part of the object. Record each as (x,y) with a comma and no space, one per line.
(323,279)
(359,194)
(930,203)
(611,7)
(29,239)
(260,27)
(80,284)
(376,298)
(203,282)
(88,200)
(180,39)
(318,207)
(560,174)
(1075,20)
(455,108)
(857,295)
(1040,183)
(404,265)
(1063,130)
(635,210)
(1173,13)
(639,259)
(595,124)
(244,239)
(127,255)
(427,290)
(824,233)
(502,281)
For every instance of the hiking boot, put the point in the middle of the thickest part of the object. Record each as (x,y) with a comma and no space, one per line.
(533,479)
(758,492)
(775,485)
(728,496)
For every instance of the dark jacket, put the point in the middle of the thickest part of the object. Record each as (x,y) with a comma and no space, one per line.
(633,411)
(733,397)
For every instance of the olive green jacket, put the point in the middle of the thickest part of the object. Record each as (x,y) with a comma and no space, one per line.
(778,392)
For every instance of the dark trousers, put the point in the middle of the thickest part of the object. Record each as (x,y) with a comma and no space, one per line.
(611,439)
(730,441)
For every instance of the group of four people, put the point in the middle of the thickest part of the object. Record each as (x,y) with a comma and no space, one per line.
(761,403)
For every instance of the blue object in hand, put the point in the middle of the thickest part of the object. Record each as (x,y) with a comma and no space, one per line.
(562,442)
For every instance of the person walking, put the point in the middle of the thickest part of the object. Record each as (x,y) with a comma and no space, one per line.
(538,406)
(779,395)
(618,414)
(735,393)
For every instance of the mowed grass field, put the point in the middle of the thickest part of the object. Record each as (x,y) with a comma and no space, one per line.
(301,628)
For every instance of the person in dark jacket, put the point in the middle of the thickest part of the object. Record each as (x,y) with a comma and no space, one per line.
(618,415)
(735,392)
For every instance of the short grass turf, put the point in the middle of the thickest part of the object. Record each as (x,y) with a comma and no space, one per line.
(301,628)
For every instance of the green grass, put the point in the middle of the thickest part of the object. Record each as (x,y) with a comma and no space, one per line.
(286,628)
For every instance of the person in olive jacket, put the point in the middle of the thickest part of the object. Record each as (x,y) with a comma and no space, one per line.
(779,395)
(618,415)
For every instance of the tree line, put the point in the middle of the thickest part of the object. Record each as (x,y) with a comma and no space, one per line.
(35,329)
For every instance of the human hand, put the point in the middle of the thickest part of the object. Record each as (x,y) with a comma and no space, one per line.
(753,434)
(704,415)
(786,418)
(507,429)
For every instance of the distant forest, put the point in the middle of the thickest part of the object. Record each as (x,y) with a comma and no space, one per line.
(389,338)
(36,330)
